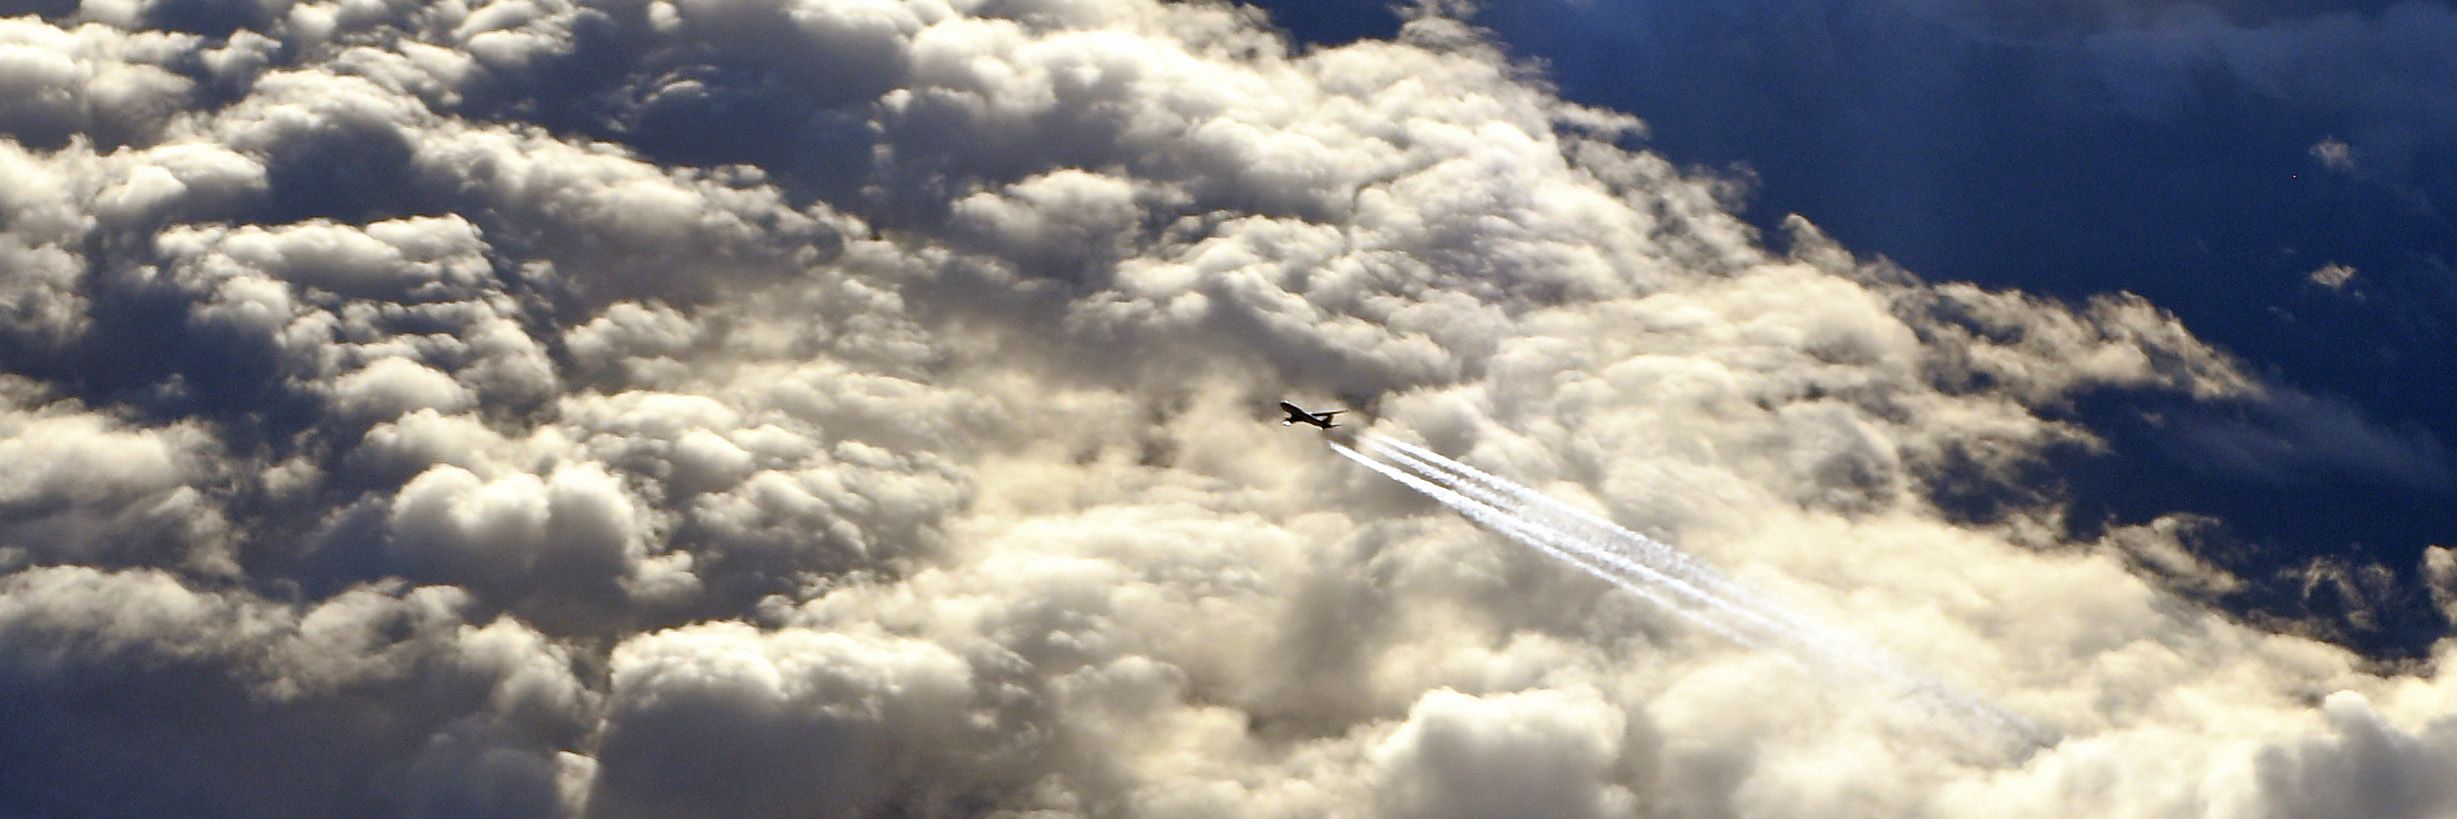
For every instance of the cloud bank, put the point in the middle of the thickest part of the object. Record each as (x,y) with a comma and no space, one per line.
(733,407)
(2233,162)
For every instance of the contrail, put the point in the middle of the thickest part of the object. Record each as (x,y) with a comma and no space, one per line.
(1639,546)
(1540,540)
(1669,578)
(1651,562)
(1697,590)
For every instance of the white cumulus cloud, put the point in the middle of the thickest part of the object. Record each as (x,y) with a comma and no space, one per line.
(766,407)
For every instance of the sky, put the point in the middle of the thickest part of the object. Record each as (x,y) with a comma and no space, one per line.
(865,407)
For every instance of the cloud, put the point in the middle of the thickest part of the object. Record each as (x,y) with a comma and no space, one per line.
(2402,774)
(405,424)
(2178,150)
(2296,437)
(2398,112)
(1540,753)
(2333,276)
(133,689)
(88,489)
(2440,576)
(108,86)
(722,717)
(2334,154)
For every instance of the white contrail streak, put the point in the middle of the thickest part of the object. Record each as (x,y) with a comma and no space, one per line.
(1658,566)
(1541,541)
(1667,577)
(1618,545)
(1654,561)
(1655,553)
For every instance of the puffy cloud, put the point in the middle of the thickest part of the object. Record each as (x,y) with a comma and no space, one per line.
(726,718)
(85,488)
(2333,276)
(2361,765)
(106,85)
(132,690)
(2440,577)
(406,419)
(43,250)
(1538,753)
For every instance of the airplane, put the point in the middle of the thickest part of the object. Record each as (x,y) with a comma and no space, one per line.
(1297,414)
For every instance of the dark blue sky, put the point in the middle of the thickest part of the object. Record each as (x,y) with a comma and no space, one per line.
(2208,156)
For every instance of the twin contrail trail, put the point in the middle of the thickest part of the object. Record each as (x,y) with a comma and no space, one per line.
(1672,580)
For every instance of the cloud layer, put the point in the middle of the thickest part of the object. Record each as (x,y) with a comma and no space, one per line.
(732,407)
(2235,162)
